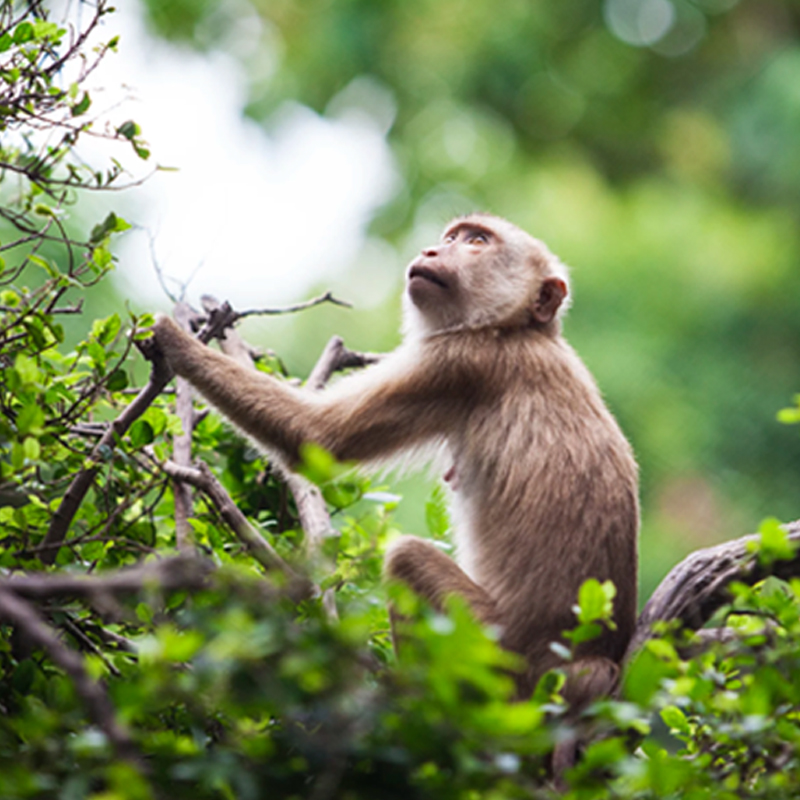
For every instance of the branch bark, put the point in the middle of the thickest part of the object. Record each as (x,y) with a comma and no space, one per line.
(168,574)
(699,585)
(336,357)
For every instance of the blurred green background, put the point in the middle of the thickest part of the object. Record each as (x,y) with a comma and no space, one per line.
(653,144)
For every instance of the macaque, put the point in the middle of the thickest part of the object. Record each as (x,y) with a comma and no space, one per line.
(544,482)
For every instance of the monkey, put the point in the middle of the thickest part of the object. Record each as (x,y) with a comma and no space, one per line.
(545,485)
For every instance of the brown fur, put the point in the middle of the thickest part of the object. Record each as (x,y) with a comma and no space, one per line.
(547,484)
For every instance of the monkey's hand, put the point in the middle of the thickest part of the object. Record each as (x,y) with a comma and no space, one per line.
(153,351)
(168,342)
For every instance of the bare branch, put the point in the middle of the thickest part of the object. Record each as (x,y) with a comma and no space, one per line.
(336,357)
(316,301)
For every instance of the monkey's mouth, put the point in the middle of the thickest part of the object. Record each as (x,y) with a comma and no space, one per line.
(427,274)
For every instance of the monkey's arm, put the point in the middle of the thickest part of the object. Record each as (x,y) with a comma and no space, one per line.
(371,418)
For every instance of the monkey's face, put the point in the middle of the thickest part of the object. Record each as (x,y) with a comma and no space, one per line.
(483,271)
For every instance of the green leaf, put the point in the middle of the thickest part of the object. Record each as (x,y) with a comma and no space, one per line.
(676,720)
(81,107)
(30,419)
(26,369)
(31,449)
(111,224)
(774,544)
(24,32)
(117,381)
(105,330)
(596,602)
(101,258)
(97,354)
(437,517)
(93,551)
(789,416)
(644,676)
(141,433)
(129,130)
(549,685)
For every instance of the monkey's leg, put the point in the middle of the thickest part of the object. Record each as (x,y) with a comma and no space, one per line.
(587,679)
(434,576)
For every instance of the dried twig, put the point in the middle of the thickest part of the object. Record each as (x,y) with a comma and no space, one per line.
(316,301)
(336,357)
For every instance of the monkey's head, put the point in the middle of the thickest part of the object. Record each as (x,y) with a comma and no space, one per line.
(484,272)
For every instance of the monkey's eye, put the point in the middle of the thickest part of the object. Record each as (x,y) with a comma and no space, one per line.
(450,238)
(477,237)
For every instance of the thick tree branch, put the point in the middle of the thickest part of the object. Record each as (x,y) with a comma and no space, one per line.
(167,574)
(699,585)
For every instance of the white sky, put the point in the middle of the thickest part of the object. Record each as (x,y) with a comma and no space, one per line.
(260,218)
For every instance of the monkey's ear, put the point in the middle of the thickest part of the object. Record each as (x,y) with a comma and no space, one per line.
(551,295)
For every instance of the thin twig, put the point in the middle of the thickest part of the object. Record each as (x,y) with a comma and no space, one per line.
(327,297)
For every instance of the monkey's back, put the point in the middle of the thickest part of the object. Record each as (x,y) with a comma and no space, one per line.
(547,495)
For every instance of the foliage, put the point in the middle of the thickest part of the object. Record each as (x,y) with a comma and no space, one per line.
(226,687)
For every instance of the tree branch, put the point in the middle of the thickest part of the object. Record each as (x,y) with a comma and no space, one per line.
(182,443)
(262,551)
(168,574)
(336,357)
(699,585)
(311,508)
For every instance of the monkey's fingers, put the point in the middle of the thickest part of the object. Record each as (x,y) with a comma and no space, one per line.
(149,348)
